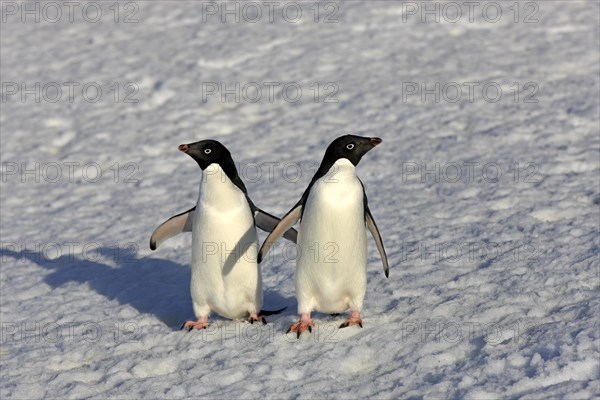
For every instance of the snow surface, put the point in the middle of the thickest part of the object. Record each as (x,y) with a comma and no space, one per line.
(514,314)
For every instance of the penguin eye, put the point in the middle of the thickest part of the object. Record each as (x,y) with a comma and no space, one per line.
(207,151)
(350,146)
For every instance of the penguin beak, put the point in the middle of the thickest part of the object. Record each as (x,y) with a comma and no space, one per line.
(184,148)
(374,141)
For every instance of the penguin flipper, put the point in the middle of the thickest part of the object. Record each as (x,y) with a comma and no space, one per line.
(176,224)
(375,232)
(268,222)
(286,223)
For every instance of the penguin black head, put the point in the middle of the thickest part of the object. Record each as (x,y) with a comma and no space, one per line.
(206,152)
(351,147)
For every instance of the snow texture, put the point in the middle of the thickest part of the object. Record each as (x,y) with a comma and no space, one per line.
(494,283)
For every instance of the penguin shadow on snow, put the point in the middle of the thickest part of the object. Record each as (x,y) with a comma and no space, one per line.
(151,285)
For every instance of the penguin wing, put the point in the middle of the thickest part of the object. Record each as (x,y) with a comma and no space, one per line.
(375,232)
(286,223)
(268,222)
(176,224)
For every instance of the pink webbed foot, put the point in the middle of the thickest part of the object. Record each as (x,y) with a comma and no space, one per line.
(254,317)
(200,323)
(353,319)
(302,325)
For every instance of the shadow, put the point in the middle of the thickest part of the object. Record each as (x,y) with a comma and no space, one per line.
(150,285)
(247,240)
(272,300)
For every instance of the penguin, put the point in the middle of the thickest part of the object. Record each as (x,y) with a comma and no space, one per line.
(331,272)
(226,277)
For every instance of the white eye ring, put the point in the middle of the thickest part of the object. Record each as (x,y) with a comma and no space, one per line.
(350,146)
(207,151)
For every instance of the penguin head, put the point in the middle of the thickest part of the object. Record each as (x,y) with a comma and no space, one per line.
(206,152)
(351,147)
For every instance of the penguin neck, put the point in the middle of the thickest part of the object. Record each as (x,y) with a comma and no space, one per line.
(330,167)
(218,189)
(339,187)
(341,167)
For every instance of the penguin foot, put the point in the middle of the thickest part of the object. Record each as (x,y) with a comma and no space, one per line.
(354,319)
(255,318)
(302,325)
(201,323)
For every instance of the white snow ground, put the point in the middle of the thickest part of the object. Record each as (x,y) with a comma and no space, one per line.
(493,288)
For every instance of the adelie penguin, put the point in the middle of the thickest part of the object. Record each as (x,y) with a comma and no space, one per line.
(226,277)
(331,274)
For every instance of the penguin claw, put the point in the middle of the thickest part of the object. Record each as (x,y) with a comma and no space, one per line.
(199,324)
(301,326)
(255,318)
(354,319)
(348,323)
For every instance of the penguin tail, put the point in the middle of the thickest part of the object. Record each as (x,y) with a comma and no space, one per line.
(271,312)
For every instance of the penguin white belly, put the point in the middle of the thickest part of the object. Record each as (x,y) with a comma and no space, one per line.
(225,276)
(331,269)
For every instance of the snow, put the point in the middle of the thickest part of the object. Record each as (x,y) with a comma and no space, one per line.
(494,279)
